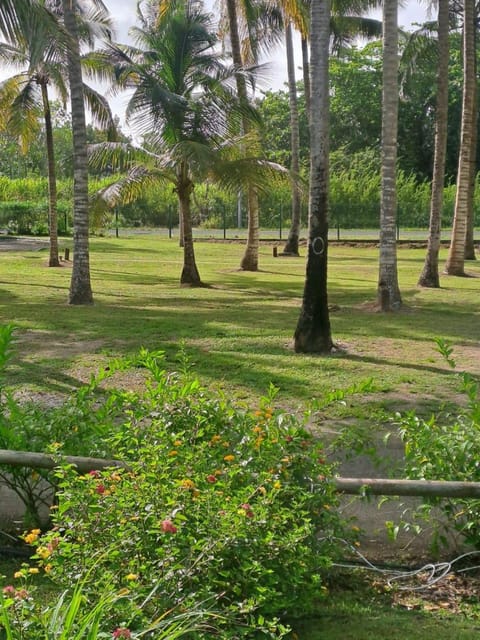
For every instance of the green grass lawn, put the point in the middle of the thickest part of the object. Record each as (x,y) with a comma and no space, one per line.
(238,331)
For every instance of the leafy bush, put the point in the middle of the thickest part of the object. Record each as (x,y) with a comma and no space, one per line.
(447,447)
(216,504)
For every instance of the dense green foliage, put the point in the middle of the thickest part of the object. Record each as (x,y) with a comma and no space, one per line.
(446,447)
(354,202)
(216,504)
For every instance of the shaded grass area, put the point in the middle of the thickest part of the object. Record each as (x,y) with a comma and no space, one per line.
(238,331)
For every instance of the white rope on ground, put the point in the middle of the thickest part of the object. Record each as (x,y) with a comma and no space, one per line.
(431,572)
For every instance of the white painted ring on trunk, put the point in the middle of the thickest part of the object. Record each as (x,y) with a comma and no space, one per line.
(318,246)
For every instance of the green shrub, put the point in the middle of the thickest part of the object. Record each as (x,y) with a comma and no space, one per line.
(218,505)
(447,447)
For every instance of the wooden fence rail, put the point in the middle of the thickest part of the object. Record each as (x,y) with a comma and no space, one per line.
(360,486)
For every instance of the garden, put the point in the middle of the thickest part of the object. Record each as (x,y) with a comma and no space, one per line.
(220,516)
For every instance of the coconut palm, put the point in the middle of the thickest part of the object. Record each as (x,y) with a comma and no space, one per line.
(388,292)
(251,25)
(313,333)
(24,95)
(456,256)
(345,25)
(80,285)
(184,105)
(430,274)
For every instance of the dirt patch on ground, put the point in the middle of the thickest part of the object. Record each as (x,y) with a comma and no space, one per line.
(13,243)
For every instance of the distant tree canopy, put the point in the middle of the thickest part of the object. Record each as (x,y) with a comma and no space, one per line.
(355,103)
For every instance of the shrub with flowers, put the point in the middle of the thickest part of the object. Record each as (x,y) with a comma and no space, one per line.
(234,508)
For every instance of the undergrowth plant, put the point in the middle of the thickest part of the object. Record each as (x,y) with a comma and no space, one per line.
(215,505)
(446,446)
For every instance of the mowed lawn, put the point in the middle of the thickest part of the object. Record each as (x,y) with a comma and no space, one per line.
(237,331)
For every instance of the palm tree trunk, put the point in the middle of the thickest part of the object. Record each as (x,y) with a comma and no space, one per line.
(80,287)
(469,238)
(190,276)
(430,276)
(249,261)
(52,180)
(306,75)
(388,292)
(291,246)
(455,264)
(313,333)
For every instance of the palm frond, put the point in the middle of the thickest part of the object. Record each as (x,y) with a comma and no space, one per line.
(100,111)
(24,114)
(346,29)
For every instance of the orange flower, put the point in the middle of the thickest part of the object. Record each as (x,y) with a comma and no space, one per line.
(229,458)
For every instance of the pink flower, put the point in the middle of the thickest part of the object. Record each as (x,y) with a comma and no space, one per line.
(211,478)
(248,509)
(100,489)
(121,632)
(9,590)
(94,473)
(168,526)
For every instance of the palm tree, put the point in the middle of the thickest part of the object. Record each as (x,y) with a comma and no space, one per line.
(80,285)
(291,246)
(259,18)
(313,333)
(25,94)
(388,293)
(430,275)
(456,256)
(185,106)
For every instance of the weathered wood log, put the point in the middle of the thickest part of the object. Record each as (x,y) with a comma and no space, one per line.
(422,488)
(360,486)
(45,461)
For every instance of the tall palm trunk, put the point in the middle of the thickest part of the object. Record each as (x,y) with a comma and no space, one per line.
(306,74)
(190,276)
(313,333)
(291,246)
(249,261)
(388,292)
(456,256)
(80,287)
(469,236)
(430,276)
(52,180)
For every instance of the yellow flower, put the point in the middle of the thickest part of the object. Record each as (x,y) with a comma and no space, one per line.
(262,490)
(172,453)
(18,574)
(257,429)
(47,568)
(33,570)
(258,413)
(177,443)
(187,484)
(241,512)
(132,576)
(43,552)
(216,438)
(229,457)
(32,537)
(258,442)
(277,484)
